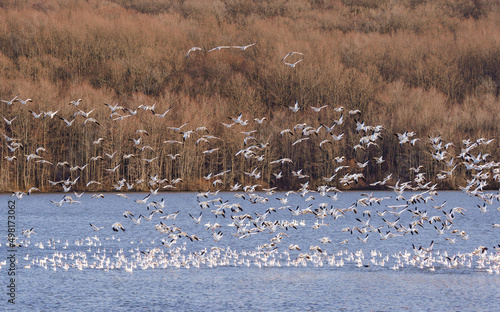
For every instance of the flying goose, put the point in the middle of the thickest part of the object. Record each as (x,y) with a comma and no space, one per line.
(118,226)
(115,107)
(75,103)
(11,101)
(50,114)
(291,53)
(244,47)
(295,108)
(292,65)
(24,102)
(9,122)
(194,49)
(68,123)
(219,48)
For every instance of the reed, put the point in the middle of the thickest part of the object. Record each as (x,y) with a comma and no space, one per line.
(432,67)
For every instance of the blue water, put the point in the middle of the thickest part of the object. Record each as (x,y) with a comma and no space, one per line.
(246,275)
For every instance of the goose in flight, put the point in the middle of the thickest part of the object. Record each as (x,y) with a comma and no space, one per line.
(291,53)
(35,114)
(9,122)
(110,155)
(197,220)
(91,120)
(292,65)
(164,114)
(179,128)
(50,114)
(11,101)
(113,169)
(219,48)
(75,103)
(143,201)
(194,49)
(95,227)
(294,108)
(24,102)
(150,160)
(318,109)
(68,123)
(244,47)
(118,226)
(115,107)
(99,140)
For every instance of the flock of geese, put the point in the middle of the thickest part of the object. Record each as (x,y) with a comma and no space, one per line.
(252,212)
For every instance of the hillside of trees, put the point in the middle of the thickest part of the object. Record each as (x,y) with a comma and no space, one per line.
(431,68)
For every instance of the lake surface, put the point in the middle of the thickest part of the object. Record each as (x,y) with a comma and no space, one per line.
(66,265)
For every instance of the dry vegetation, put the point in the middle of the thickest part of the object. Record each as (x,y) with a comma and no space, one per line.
(432,67)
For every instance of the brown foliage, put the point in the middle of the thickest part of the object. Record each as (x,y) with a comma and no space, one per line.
(432,67)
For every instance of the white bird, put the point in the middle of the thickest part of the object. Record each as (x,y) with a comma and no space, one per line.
(292,65)
(198,219)
(219,48)
(9,122)
(113,169)
(179,128)
(95,227)
(117,226)
(290,53)
(99,140)
(35,114)
(91,120)
(68,123)
(164,114)
(295,108)
(24,102)
(11,101)
(318,109)
(75,103)
(115,107)
(110,155)
(82,113)
(194,49)
(50,114)
(244,47)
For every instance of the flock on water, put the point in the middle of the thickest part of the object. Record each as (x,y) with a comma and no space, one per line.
(256,212)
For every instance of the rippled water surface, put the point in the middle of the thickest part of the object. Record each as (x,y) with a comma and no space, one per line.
(87,271)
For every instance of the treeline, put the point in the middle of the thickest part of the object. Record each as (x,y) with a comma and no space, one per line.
(432,67)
